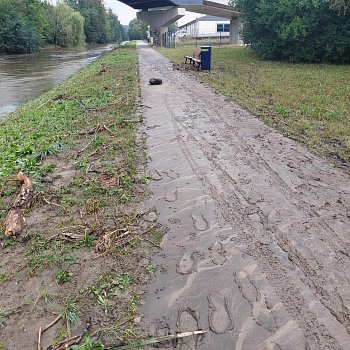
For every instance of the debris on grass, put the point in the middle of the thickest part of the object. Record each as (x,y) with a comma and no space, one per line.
(163,339)
(15,222)
(85,231)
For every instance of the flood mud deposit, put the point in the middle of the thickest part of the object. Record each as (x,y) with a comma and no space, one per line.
(257,250)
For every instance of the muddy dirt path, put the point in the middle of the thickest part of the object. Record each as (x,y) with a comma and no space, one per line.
(258,247)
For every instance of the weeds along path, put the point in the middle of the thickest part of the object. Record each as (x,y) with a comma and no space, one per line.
(83,258)
(258,248)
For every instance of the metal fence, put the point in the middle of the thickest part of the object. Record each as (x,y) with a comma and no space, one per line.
(168,39)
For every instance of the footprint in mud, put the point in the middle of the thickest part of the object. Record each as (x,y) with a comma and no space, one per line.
(199,222)
(218,255)
(188,320)
(188,263)
(220,317)
(161,329)
(246,287)
(272,346)
(151,215)
(171,196)
(155,175)
(262,307)
(171,174)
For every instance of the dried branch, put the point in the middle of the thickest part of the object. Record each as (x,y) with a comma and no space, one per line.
(50,203)
(151,341)
(42,330)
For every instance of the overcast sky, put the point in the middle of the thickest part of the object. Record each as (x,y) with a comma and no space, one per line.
(126,13)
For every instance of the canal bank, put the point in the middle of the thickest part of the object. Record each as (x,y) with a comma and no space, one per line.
(25,77)
(82,261)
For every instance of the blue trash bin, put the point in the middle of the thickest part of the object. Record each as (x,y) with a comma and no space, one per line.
(205,57)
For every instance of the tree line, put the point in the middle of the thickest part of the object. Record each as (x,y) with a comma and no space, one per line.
(297,30)
(28,25)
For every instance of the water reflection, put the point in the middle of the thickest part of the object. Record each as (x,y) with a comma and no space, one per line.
(24,77)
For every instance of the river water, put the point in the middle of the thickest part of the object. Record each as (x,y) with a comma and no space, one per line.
(25,77)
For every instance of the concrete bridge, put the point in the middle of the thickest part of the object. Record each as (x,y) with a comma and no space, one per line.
(159,14)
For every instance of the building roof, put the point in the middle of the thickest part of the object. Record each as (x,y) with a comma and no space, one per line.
(205,19)
(212,18)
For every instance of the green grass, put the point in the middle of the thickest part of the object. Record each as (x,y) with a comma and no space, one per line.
(78,144)
(307,102)
(46,125)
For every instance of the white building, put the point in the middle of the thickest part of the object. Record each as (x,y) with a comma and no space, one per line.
(207,27)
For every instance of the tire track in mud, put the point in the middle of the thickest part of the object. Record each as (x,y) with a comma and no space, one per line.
(310,266)
(291,296)
(258,164)
(289,267)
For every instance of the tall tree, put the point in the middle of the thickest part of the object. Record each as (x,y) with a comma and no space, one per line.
(95,14)
(22,26)
(115,31)
(67,25)
(137,30)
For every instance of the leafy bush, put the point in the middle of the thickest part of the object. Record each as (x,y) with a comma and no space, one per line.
(297,30)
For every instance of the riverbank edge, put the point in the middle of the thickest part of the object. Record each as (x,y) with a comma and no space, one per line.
(84,255)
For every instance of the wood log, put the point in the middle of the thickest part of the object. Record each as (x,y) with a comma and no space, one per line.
(14,224)
(25,196)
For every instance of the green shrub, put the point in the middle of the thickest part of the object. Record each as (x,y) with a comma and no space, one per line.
(297,30)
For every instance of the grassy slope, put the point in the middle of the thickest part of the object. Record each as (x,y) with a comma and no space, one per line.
(310,103)
(78,143)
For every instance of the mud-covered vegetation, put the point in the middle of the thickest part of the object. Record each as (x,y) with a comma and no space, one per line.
(82,259)
(307,102)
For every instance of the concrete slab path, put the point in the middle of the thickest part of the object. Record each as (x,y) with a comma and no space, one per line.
(257,249)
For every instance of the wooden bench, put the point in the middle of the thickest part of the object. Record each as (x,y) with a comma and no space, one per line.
(195,59)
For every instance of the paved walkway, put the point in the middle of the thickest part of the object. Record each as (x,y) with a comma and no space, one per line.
(258,249)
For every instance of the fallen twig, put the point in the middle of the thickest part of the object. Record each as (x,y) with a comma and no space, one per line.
(153,243)
(92,153)
(151,341)
(65,344)
(43,104)
(98,128)
(110,131)
(68,327)
(50,203)
(82,219)
(85,147)
(89,167)
(42,330)
(122,239)
(52,323)
(39,338)
(111,328)
(100,255)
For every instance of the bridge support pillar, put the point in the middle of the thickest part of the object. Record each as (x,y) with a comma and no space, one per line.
(159,20)
(234,30)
